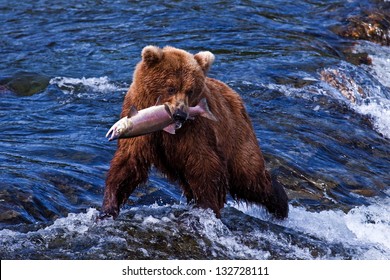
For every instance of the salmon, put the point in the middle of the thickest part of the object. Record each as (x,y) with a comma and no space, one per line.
(154,118)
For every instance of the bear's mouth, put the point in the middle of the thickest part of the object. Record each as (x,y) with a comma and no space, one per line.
(180,112)
(179,116)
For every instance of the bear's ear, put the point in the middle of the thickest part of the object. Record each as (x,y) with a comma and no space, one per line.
(151,55)
(204,59)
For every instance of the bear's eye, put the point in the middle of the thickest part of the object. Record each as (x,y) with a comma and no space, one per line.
(171,90)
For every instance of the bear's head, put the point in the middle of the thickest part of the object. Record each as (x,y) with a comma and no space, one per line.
(173,75)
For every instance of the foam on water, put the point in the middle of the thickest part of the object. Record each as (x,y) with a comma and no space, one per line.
(73,223)
(365,229)
(222,238)
(35,244)
(93,84)
(380,69)
(379,113)
(214,236)
(79,223)
(380,57)
(370,223)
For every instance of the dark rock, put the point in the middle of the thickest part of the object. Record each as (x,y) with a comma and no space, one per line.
(24,83)
(371,26)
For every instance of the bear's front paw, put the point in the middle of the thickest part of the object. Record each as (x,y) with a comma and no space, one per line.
(106,214)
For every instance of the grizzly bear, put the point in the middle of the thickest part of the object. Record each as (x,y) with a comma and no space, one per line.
(206,158)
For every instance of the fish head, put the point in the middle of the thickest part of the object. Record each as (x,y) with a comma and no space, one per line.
(120,129)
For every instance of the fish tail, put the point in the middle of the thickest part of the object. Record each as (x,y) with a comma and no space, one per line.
(206,113)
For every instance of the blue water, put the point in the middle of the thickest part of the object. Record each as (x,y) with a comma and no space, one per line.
(66,66)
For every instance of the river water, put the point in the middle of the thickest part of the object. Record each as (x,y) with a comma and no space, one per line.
(66,66)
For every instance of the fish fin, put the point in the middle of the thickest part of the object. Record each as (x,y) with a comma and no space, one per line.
(170,128)
(158,101)
(206,111)
(132,112)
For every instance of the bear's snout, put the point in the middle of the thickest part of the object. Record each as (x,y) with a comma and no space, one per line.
(180,113)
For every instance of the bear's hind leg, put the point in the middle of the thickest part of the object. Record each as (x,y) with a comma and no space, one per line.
(259,189)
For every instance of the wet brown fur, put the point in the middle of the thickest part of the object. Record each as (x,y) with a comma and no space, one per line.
(208,159)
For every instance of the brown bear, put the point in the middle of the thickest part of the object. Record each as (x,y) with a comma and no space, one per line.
(206,158)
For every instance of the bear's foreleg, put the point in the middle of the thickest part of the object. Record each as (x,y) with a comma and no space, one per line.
(128,169)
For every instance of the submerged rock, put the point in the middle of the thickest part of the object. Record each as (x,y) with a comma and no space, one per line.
(346,85)
(24,83)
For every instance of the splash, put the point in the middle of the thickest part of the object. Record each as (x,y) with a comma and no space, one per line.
(74,223)
(74,85)
(364,229)
(64,238)
(369,224)
(379,113)
(380,67)
(182,232)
